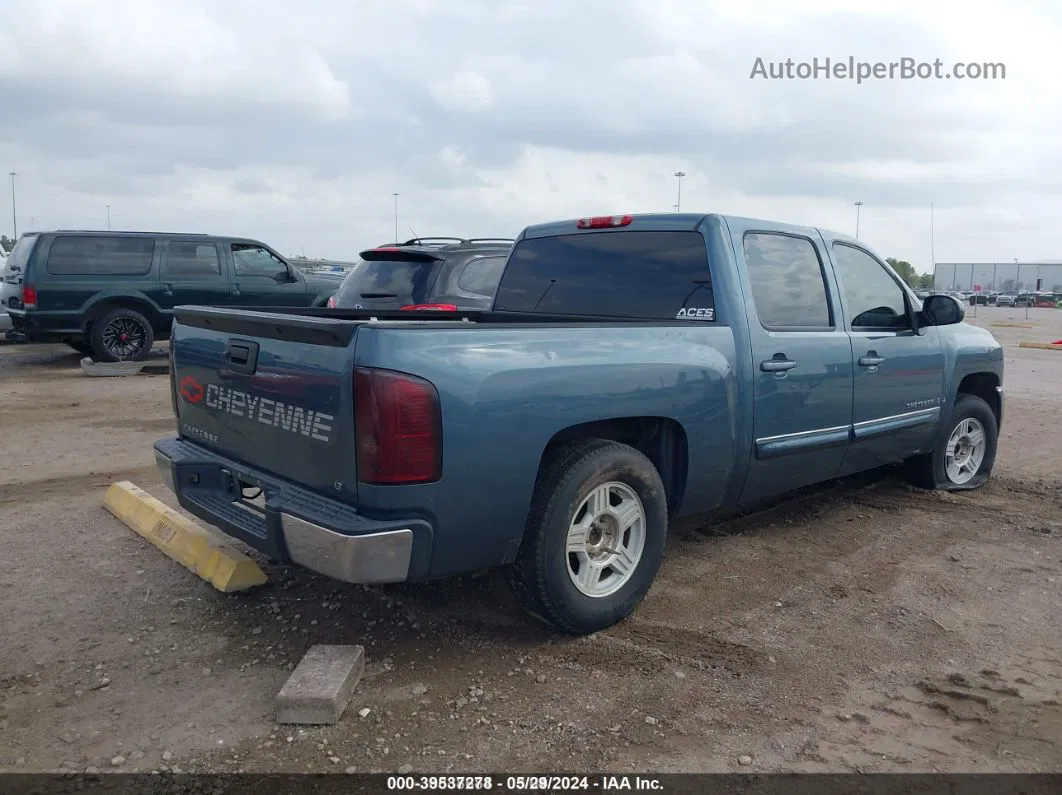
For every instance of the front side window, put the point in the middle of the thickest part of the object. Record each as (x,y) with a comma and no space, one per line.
(251,260)
(873,297)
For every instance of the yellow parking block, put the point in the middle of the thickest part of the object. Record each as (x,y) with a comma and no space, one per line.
(224,567)
(1047,346)
(1012,325)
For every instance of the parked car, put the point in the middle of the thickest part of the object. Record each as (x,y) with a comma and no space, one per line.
(5,318)
(631,370)
(1004,299)
(111,294)
(425,273)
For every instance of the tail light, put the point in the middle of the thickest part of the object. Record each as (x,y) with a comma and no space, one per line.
(434,307)
(399,428)
(29,297)
(604,221)
(331,304)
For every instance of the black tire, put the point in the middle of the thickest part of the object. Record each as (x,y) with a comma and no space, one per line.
(106,343)
(82,347)
(929,471)
(540,575)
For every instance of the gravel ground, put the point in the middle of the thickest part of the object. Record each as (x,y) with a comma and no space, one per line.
(863,627)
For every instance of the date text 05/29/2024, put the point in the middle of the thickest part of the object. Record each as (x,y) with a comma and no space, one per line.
(532,783)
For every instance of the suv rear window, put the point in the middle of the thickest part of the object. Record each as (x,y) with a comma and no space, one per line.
(386,282)
(96,255)
(637,275)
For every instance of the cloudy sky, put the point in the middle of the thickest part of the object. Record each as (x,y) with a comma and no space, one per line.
(295,122)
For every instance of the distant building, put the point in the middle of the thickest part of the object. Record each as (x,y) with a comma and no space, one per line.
(999,276)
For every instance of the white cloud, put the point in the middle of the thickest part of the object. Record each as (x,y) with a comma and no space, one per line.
(463,91)
(296,124)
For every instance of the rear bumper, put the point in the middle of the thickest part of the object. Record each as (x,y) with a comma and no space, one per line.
(45,328)
(295,525)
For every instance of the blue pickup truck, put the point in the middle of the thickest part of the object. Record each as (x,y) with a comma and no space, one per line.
(632,370)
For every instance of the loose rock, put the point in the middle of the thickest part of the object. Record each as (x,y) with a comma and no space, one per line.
(405,770)
(745,761)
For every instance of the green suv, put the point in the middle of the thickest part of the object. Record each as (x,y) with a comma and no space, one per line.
(111,294)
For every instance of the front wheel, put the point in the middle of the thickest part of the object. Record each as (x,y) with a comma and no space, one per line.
(594,539)
(964,455)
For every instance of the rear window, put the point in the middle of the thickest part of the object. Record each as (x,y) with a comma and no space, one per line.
(15,262)
(637,275)
(71,255)
(375,281)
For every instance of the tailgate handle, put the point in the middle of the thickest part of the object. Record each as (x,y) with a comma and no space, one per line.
(242,356)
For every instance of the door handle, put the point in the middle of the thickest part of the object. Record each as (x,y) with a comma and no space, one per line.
(871,360)
(779,364)
(167,289)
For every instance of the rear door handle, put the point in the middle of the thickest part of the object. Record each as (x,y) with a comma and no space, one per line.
(871,360)
(777,365)
(167,289)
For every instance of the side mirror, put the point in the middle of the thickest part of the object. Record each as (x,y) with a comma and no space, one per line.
(285,277)
(943,310)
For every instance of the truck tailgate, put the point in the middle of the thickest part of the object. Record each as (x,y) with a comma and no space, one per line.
(270,390)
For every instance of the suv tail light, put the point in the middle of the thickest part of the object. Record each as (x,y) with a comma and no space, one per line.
(399,428)
(604,221)
(29,297)
(435,307)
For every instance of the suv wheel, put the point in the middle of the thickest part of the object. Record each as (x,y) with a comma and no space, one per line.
(122,335)
(594,539)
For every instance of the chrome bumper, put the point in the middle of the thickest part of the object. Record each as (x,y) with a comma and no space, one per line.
(367,558)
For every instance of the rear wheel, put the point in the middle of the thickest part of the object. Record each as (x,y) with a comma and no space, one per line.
(964,456)
(594,539)
(122,335)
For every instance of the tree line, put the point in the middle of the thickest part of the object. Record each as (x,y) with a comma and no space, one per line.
(906,271)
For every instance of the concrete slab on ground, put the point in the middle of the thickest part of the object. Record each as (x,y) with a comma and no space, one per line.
(321,686)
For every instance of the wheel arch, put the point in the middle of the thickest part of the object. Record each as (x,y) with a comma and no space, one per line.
(984,385)
(662,440)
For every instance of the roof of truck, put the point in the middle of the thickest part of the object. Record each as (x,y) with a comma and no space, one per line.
(663,222)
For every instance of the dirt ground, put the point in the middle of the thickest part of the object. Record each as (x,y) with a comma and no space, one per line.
(864,627)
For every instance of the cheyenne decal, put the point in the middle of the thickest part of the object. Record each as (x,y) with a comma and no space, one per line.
(294,419)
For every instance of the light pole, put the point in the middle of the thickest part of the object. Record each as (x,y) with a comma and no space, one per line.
(932,246)
(396,218)
(14,218)
(857,205)
(108,218)
(678,203)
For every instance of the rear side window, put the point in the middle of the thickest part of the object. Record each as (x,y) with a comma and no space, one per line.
(481,275)
(636,275)
(192,258)
(788,287)
(371,282)
(19,256)
(100,256)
